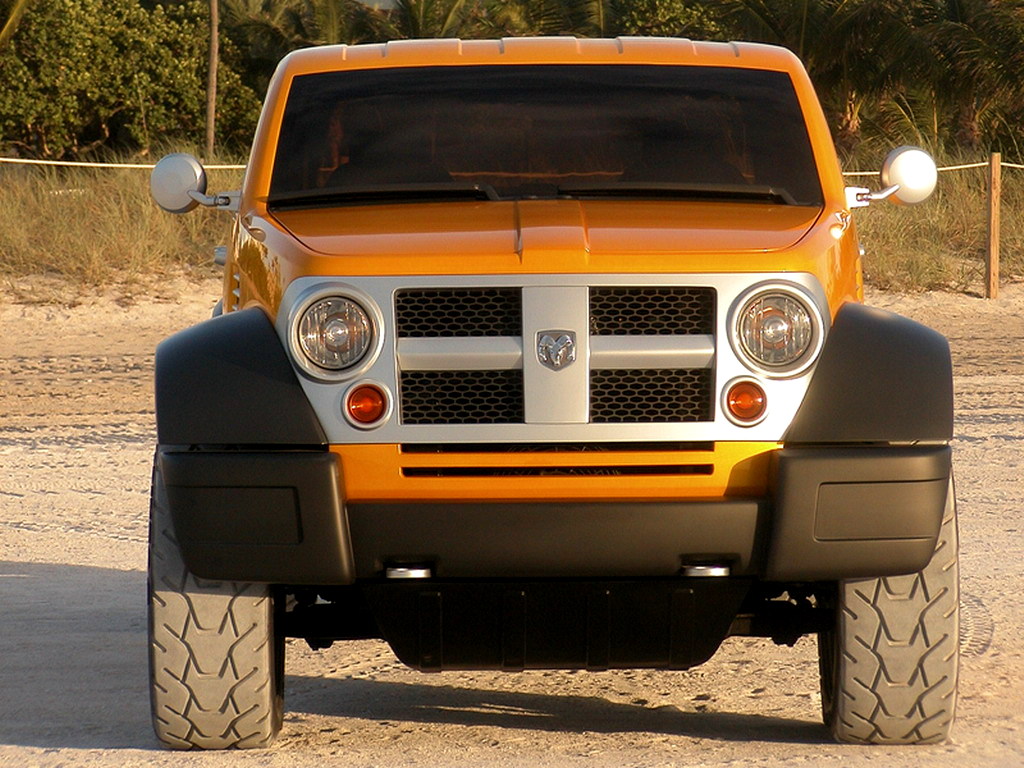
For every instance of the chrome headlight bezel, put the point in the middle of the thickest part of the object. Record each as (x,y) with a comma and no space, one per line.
(364,304)
(799,363)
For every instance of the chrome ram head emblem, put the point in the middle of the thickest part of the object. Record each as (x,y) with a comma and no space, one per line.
(556,349)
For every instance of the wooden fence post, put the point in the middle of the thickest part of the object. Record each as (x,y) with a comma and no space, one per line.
(995,185)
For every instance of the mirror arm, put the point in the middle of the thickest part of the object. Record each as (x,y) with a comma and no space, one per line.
(211,201)
(883,194)
(861,197)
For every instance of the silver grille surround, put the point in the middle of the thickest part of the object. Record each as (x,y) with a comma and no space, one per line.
(561,416)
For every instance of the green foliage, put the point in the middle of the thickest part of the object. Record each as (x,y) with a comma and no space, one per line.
(95,73)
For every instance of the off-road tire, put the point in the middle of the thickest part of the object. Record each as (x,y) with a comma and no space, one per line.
(216,667)
(889,667)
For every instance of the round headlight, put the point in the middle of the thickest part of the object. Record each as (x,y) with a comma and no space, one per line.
(776,330)
(335,333)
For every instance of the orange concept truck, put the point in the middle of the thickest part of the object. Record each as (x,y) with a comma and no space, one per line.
(549,353)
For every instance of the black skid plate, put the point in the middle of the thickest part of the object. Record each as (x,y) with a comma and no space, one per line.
(674,624)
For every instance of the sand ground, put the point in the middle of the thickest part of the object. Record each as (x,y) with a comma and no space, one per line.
(76,442)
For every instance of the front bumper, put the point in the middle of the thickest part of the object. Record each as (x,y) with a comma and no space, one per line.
(273,516)
(832,513)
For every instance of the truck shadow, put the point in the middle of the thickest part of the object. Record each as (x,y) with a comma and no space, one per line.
(387,701)
(73,646)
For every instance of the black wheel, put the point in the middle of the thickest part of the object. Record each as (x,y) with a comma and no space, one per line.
(216,666)
(889,666)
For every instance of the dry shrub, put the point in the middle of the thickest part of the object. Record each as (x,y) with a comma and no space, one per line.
(99,227)
(943,243)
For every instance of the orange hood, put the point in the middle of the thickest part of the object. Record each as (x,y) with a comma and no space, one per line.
(539,235)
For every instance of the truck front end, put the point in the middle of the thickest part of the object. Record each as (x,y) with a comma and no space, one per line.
(549,354)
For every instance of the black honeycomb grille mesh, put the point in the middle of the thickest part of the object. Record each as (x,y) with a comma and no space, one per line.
(651,396)
(462,397)
(459,312)
(655,311)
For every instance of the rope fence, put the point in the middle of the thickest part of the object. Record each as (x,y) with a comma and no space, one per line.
(944,168)
(994,164)
(82,164)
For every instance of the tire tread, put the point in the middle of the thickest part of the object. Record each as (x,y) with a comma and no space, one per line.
(890,675)
(211,648)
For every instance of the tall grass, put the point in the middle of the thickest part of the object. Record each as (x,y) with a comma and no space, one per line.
(99,228)
(942,243)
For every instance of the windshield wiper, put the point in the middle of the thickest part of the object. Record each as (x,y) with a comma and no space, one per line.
(383,193)
(680,191)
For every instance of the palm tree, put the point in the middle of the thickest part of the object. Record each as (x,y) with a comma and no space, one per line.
(585,18)
(344,21)
(265,31)
(977,62)
(958,62)
(429,18)
(211,78)
(525,17)
(854,50)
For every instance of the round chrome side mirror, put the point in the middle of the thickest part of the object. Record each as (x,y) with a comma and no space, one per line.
(173,180)
(913,171)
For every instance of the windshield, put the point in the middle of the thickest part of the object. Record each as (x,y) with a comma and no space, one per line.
(513,132)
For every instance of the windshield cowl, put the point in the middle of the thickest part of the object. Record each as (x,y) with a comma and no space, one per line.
(382,193)
(455,191)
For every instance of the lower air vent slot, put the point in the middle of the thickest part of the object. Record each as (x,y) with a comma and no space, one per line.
(688,469)
(595,447)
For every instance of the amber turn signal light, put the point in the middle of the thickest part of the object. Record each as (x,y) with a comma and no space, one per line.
(746,401)
(366,404)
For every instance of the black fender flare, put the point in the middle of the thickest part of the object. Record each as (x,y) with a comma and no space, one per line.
(881,378)
(228,381)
